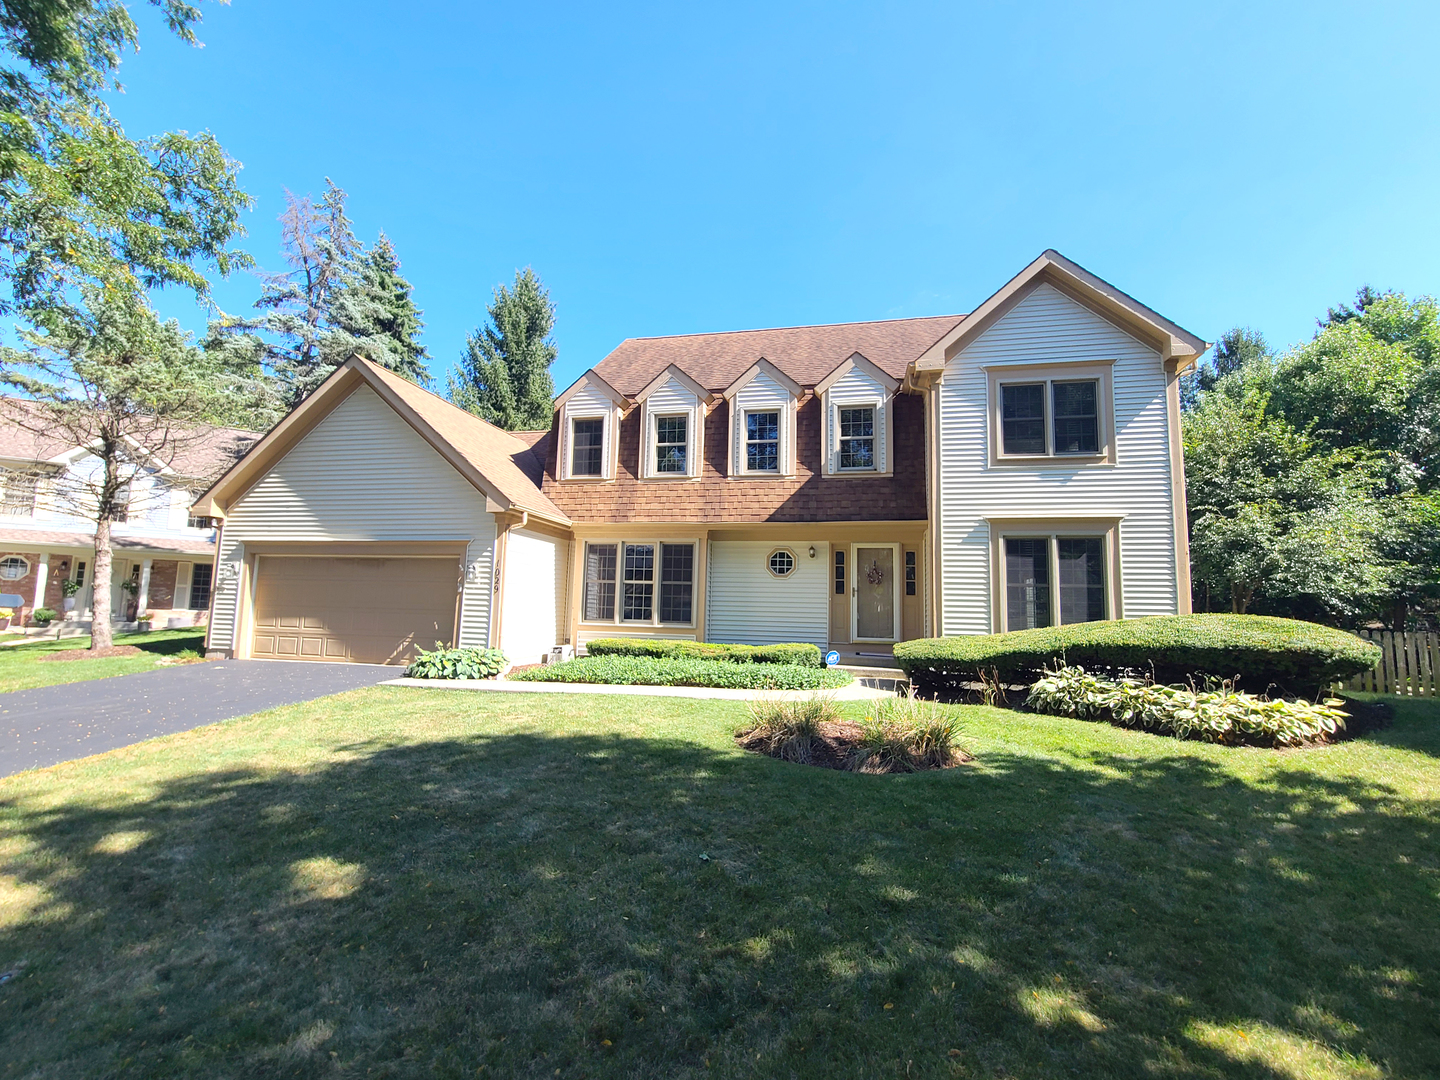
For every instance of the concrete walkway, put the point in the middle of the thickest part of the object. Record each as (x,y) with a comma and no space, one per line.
(51,724)
(853,692)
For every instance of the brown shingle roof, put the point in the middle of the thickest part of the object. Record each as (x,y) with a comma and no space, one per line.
(805,353)
(500,457)
(57,537)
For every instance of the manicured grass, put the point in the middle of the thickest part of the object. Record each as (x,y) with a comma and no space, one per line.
(392,883)
(21,667)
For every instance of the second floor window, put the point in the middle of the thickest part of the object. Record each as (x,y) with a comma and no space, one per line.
(857,438)
(587,443)
(17,495)
(670,443)
(762,441)
(1057,418)
(200,523)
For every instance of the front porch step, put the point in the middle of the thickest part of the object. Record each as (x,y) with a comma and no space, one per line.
(878,678)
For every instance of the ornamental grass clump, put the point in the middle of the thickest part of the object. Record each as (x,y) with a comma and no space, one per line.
(1221,715)
(444,663)
(907,734)
(788,730)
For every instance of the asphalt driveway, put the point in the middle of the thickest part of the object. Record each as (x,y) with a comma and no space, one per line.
(56,723)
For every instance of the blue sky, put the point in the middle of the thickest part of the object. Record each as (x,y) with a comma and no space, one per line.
(668,169)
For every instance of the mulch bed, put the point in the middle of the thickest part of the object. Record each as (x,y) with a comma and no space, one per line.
(1365,717)
(834,746)
(94,654)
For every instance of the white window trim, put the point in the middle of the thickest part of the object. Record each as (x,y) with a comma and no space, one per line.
(1100,371)
(785,432)
(1002,529)
(694,442)
(29,566)
(618,619)
(610,421)
(734,395)
(884,434)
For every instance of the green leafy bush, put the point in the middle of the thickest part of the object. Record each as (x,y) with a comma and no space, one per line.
(1224,715)
(648,671)
(1256,651)
(787,729)
(43,615)
(787,653)
(444,663)
(906,734)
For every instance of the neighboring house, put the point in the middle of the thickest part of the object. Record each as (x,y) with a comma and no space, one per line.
(47,536)
(848,485)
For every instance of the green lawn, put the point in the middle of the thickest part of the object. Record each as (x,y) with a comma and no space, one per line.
(21,666)
(416,883)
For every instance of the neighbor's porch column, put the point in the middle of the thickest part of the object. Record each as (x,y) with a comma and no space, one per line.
(142,598)
(42,573)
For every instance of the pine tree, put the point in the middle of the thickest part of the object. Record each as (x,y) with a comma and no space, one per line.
(504,373)
(373,315)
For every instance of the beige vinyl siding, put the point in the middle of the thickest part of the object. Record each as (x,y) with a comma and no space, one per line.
(857,388)
(530,621)
(362,474)
(745,603)
(1047,326)
(672,399)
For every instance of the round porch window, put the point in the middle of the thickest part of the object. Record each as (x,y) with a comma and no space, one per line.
(782,562)
(13,568)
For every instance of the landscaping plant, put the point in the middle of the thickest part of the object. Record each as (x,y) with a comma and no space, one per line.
(646,671)
(1223,715)
(787,729)
(907,734)
(1256,652)
(43,616)
(445,663)
(791,652)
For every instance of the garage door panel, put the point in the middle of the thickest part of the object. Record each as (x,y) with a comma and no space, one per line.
(364,610)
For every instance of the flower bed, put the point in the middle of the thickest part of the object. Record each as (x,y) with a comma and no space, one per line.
(648,671)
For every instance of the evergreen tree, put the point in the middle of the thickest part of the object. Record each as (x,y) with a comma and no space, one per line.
(1237,348)
(373,315)
(504,373)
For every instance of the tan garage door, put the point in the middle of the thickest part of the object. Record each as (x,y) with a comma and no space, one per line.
(368,611)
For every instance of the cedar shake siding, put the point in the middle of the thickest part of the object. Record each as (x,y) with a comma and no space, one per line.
(716,497)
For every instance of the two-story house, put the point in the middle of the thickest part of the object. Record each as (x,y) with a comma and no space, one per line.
(850,485)
(47,531)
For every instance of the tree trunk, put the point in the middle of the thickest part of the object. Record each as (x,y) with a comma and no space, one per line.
(1240,598)
(100,585)
(1399,615)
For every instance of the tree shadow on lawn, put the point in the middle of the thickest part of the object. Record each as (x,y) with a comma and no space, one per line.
(608,906)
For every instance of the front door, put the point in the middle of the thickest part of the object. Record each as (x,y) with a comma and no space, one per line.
(874,592)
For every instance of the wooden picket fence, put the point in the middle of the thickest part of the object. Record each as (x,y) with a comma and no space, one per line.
(1409,665)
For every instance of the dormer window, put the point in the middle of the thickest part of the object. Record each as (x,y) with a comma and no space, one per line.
(762,441)
(858,398)
(762,422)
(671,443)
(587,447)
(590,414)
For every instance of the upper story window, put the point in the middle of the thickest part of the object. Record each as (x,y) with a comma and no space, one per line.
(763,403)
(587,447)
(588,426)
(672,425)
(858,400)
(17,493)
(762,441)
(857,438)
(1051,411)
(200,522)
(671,443)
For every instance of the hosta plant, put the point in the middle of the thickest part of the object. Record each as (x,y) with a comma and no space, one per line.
(445,663)
(1221,714)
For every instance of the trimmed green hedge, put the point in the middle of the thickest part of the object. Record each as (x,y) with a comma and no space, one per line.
(790,652)
(649,671)
(1283,654)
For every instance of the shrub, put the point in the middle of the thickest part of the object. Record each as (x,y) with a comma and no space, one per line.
(43,615)
(1224,715)
(905,734)
(1256,651)
(793,652)
(648,671)
(787,729)
(444,663)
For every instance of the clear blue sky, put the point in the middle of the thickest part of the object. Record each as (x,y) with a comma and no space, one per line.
(667,169)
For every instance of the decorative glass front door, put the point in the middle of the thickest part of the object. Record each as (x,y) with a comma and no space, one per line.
(874,593)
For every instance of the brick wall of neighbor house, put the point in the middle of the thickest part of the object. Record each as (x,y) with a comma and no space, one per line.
(54,595)
(807,496)
(162,584)
(23,586)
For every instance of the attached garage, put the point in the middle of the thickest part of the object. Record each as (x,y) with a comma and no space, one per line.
(362,610)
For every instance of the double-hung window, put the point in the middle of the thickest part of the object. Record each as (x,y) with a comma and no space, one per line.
(857,437)
(587,446)
(17,496)
(646,583)
(1052,580)
(1052,414)
(201,575)
(671,444)
(762,441)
